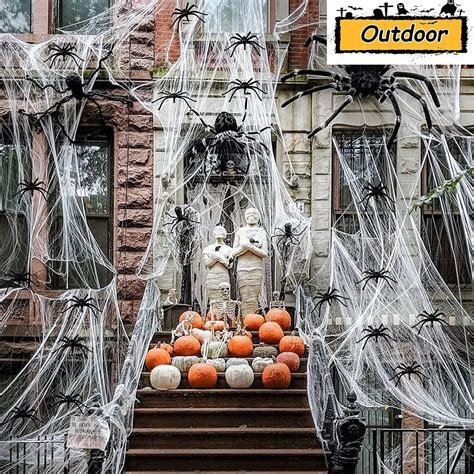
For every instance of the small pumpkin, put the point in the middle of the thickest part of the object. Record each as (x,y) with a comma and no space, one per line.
(291,359)
(201,335)
(202,375)
(219,364)
(214,349)
(165,377)
(218,325)
(292,343)
(183,364)
(240,346)
(239,376)
(262,350)
(270,332)
(276,375)
(235,361)
(156,357)
(187,346)
(167,347)
(259,363)
(197,320)
(280,316)
(253,321)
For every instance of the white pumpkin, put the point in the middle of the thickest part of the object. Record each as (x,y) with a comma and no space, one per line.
(219,364)
(236,361)
(165,377)
(184,363)
(214,349)
(201,335)
(259,363)
(239,376)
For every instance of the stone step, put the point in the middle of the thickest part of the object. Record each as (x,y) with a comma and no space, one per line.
(298,380)
(220,472)
(223,417)
(221,438)
(268,460)
(226,397)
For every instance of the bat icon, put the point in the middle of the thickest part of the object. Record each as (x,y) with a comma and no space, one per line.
(427,11)
(354,8)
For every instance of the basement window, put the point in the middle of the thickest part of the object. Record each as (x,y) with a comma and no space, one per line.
(70,13)
(15,16)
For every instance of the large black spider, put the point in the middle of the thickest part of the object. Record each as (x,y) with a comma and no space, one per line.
(375,332)
(185,14)
(287,236)
(63,51)
(244,40)
(19,279)
(376,191)
(75,90)
(81,303)
(69,400)
(174,96)
(364,81)
(32,186)
(72,343)
(412,369)
(252,85)
(430,318)
(183,215)
(328,297)
(22,413)
(376,275)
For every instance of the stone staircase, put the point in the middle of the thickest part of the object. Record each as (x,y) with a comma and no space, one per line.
(224,430)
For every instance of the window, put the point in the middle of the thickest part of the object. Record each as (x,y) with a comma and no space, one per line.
(15,16)
(71,12)
(92,187)
(361,151)
(444,236)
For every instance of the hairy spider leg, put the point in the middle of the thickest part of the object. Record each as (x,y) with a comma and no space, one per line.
(419,77)
(333,85)
(235,89)
(348,101)
(418,97)
(47,86)
(59,54)
(398,119)
(316,38)
(313,72)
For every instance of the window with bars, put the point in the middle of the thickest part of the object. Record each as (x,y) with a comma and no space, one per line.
(71,12)
(15,16)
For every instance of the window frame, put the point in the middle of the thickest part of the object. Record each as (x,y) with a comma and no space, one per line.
(58,14)
(31,23)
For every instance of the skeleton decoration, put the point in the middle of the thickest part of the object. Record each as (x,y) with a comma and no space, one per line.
(183,328)
(225,309)
(276,302)
(171,298)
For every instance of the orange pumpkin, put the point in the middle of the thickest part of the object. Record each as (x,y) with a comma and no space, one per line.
(167,347)
(187,346)
(280,316)
(197,320)
(218,325)
(290,359)
(292,343)
(270,333)
(252,322)
(209,316)
(202,375)
(240,346)
(276,376)
(156,357)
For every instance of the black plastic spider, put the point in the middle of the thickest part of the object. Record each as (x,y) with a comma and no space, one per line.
(185,14)
(75,90)
(244,40)
(23,280)
(174,96)
(328,297)
(183,215)
(73,344)
(32,186)
(364,81)
(376,275)
(22,413)
(252,85)
(69,400)
(430,318)
(412,369)
(381,331)
(64,51)
(287,235)
(81,303)
(376,191)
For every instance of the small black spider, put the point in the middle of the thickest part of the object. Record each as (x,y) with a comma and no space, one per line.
(244,40)
(81,303)
(174,96)
(376,275)
(381,331)
(287,235)
(248,87)
(22,413)
(435,317)
(185,14)
(328,297)
(32,186)
(183,215)
(412,369)
(64,51)
(73,344)
(23,280)
(69,400)
(376,191)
